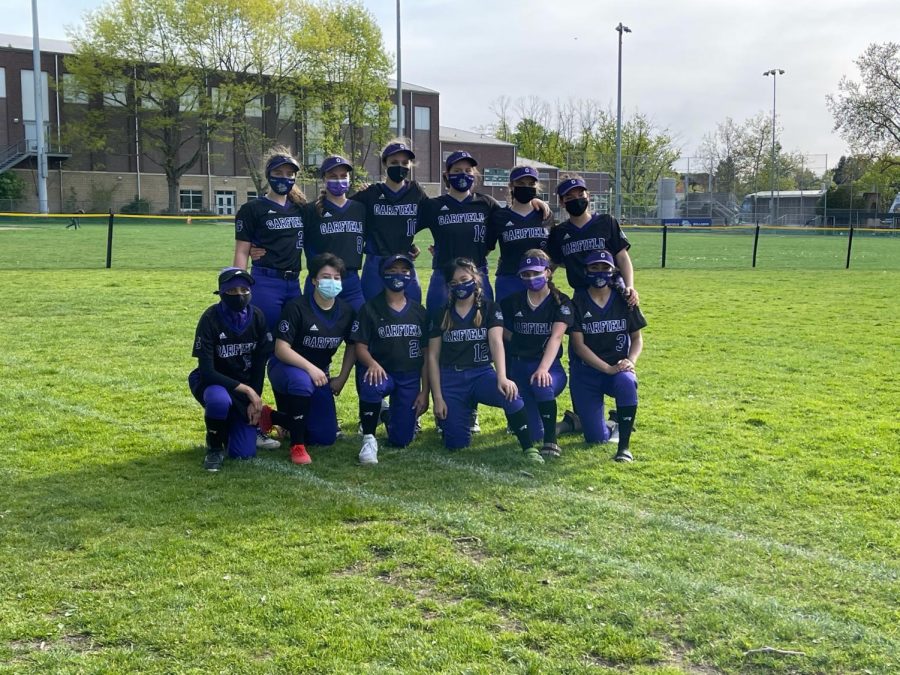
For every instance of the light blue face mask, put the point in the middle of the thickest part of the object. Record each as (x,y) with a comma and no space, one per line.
(329,288)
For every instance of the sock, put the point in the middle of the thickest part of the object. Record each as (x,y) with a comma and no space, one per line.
(547,410)
(518,422)
(626,415)
(297,409)
(216,434)
(281,418)
(369,414)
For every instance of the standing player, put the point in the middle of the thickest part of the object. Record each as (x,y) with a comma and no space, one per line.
(274,224)
(536,320)
(604,346)
(336,225)
(458,224)
(584,232)
(465,338)
(518,228)
(391,344)
(309,333)
(231,346)
(391,213)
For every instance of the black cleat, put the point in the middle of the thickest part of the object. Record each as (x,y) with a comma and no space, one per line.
(213,460)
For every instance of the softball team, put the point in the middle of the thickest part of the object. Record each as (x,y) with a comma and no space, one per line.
(465,349)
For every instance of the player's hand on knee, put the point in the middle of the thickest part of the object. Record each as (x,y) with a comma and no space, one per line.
(375,375)
(508,388)
(420,405)
(541,377)
(257,252)
(625,365)
(318,376)
(440,409)
(337,385)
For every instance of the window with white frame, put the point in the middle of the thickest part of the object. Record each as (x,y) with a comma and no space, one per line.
(191,200)
(117,96)
(286,107)
(423,118)
(2,82)
(70,91)
(254,107)
(393,122)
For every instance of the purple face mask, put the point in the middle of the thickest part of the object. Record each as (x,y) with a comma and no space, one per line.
(535,283)
(337,186)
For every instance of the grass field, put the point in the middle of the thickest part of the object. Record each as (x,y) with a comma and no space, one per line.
(761,510)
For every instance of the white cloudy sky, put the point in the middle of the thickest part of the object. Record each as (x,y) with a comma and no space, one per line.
(687,64)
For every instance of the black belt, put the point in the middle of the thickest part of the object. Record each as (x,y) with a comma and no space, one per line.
(278,274)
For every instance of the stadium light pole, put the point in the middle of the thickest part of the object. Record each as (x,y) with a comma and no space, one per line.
(38,81)
(774,72)
(620,29)
(399,81)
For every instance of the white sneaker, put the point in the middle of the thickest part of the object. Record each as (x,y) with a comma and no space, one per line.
(613,432)
(369,452)
(475,428)
(263,442)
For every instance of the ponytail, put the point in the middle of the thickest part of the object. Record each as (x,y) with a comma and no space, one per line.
(296,196)
(320,202)
(554,291)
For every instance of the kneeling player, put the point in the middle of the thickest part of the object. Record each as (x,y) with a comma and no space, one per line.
(389,344)
(231,346)
(311,329)
(604,347)
(464,339)
(536,320)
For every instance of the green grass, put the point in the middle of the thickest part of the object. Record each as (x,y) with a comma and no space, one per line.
(762,509)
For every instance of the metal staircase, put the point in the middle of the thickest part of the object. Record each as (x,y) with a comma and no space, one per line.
(19,152)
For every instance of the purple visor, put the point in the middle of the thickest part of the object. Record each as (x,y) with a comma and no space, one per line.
(602,256)
(533,264)
(332,163)
(234,277)
(568,185)
(523,172)
(394,148)
(458,156)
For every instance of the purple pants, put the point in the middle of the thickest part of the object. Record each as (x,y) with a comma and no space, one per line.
(588,387)
(402,389)
(462,391)
(351,292)
(322,427)
(506,285)
(271,294)
(218,404)
(439,292)
(372,284)
(520,372)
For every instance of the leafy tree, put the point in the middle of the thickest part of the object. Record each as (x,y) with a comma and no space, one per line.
(867,113)
(12,188)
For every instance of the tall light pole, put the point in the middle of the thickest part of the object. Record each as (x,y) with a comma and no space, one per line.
(774,72)
(39,113)
(620,29)
(399,81)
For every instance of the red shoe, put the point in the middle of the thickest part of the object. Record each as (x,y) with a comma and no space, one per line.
(299,455)
(265,420)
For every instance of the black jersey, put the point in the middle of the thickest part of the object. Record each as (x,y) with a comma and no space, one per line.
(464,345)
(229,357)
(315,333)
(516,234)
(459,229)
(570,244)
(390,217)
(395,339)
(276,228)
(339,230)
(531,328)
(607,330)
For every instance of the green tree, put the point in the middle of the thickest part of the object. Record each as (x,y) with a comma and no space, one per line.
(12,189)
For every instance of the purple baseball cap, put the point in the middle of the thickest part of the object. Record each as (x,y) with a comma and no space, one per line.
(399,257)
(281,160)
(523,172)
(533,264)
(333,162)
(394,148)
(601,256)
(569,184)
(234,277)
(458,156)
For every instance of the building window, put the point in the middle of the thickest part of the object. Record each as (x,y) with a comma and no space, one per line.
(286,107)
(423,118)
(191,200)
(2,82)
(118,97)
(70,91)
(393,122)
(251,195)
(254,107)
